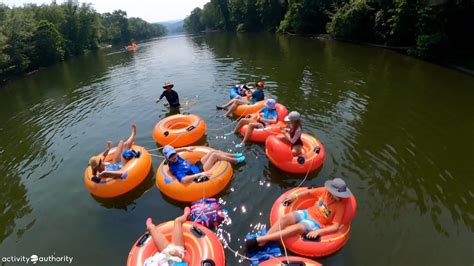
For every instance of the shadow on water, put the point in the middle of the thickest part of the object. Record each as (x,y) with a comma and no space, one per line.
(123,201)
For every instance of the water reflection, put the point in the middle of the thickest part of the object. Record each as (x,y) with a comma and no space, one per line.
(14,204)
(35,121)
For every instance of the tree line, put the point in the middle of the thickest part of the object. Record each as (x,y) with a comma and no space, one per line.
(430,29)
(34,36)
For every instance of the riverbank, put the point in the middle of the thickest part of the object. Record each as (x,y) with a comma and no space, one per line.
(403,50)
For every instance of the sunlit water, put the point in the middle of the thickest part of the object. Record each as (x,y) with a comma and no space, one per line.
(397,129)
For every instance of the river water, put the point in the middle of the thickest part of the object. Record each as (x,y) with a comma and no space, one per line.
(397,129)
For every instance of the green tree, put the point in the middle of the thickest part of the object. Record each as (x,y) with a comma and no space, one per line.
(238,13)
(192,23)
(353,21)
(18,29)
(69,29)
(210,17)
(88,28)
(271,12)
(33,36)
(431,40)
(4,58)
(394,22)
(222,8)
(53,13)
(306,16)
(48,44)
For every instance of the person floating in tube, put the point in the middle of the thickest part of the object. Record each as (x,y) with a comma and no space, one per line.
(256,96)
(292,134)
(168,253)
(187,173)
(266,116)
(123,153)
(322,218)
(244,90)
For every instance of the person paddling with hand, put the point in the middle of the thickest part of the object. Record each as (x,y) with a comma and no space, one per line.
(170,94)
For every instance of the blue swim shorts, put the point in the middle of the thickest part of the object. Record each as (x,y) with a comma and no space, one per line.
(302,216)
(113,166)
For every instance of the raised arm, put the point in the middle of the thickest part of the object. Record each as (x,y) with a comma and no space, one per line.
(161,97)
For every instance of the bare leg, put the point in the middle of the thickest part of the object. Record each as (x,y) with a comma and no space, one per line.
(231,109)
(250,129)
(234,106)
(158,238)
(226,154)
(241,123)
(297,150)
(178,238)
(206,157)
(288,231)
(118,153)
(229,103)
(207,165)
(209,162)
(129,142)
(283,222)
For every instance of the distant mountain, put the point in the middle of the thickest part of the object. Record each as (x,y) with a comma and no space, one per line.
(173,26)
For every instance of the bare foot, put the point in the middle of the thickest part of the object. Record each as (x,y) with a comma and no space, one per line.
(149,224)
(183,218)
(134,128)
(109,144)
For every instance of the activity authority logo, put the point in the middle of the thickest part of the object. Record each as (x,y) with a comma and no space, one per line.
(35,259)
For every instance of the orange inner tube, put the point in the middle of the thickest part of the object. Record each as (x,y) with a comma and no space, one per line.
(279,153)
(282,261)
(138,169)
(170,186)
(179,130)
(202,245)
(329,243)
(246,109)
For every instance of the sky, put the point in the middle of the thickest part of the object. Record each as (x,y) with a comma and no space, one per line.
(149,10)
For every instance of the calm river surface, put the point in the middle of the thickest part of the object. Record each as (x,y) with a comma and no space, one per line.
(398,130)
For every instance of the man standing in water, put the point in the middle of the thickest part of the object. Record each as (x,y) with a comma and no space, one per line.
(171,95)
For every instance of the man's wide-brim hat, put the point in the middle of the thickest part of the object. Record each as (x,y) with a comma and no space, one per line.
(168,84)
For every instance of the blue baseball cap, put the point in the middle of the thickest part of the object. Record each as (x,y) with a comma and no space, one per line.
(168,151)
